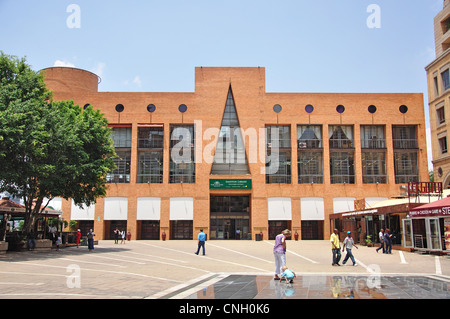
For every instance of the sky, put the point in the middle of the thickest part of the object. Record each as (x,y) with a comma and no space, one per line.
(375,46)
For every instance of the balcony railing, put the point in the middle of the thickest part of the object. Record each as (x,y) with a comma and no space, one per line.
(341,143)
(118,178)
(374,179)
(310,179)
(305,144)
(343,179)
(373,143)
(405,143)
(404,179)
(150,178)
(278,179)
(150,143)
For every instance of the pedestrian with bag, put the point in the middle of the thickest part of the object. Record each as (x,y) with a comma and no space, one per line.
(279,252)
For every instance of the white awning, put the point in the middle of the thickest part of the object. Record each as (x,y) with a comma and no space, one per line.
(182,208)
(343,204)
(84,213)
(148,208)
(312,208)
(116,208)
(279,208)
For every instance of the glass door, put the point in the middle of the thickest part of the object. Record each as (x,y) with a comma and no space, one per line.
(407,233)
(434,234)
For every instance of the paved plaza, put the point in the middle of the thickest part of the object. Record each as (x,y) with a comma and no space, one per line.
(229,270)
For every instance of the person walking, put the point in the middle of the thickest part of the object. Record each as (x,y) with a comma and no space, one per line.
(90,238)
(387,241)
(279,252)
(201,241)
(348,244)
(31,240)
(116,236)
(381,237)
(335,247)
(78,237)
(122,234)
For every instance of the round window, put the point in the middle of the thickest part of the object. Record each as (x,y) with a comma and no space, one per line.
(119,108)
(309,108)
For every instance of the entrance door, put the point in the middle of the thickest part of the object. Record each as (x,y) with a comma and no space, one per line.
(230,217)
(407,233)
(434,234)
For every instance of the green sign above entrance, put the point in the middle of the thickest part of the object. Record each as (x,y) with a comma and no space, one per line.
(230,184)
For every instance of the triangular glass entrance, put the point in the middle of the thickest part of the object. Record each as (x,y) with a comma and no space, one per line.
(230,158)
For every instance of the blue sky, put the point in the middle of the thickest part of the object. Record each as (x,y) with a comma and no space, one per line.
(305,45)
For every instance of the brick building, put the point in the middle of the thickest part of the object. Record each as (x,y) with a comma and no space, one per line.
(235,160)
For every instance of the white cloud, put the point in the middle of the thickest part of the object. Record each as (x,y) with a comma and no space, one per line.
(63,64)
(99,69)
(137,81)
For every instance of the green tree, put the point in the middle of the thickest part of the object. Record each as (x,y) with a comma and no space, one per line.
(48,148)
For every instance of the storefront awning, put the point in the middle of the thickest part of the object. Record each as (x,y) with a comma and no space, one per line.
(435,209)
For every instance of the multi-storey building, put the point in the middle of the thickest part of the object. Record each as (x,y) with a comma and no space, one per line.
(237,161)
(438,78)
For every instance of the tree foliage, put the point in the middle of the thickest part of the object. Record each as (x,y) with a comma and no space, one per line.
(48,148)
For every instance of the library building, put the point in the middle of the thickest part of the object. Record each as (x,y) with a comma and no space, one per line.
(242,163)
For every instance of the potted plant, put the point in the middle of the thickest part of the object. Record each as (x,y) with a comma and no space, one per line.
(369,241)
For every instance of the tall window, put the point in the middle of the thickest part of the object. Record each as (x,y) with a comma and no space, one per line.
(440,114)
(372,137)
(310,154)
(182,154)
(230,157)
(342,168)
(150,154)
(278,158)
(341,136)
(446,79)
(406,167)
(342,162)
(404,136)
(122,143)
(374,167)
(443,144)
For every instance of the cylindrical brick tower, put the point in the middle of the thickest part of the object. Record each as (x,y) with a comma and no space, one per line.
(66,79)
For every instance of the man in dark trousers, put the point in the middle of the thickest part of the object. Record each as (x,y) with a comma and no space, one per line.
(201,242)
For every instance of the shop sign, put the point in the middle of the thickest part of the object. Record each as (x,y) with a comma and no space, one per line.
(230,184)
(440,211)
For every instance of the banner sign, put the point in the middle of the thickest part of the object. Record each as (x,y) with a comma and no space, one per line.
(433,212)
(230,184)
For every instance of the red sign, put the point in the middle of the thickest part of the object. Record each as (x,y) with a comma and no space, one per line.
(418,188)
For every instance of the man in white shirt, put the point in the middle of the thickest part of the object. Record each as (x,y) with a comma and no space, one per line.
(348,244)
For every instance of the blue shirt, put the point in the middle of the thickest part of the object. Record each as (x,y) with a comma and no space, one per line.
(202,236)
(288,274)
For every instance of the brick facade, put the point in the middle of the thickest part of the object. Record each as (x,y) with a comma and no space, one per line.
(254,107)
